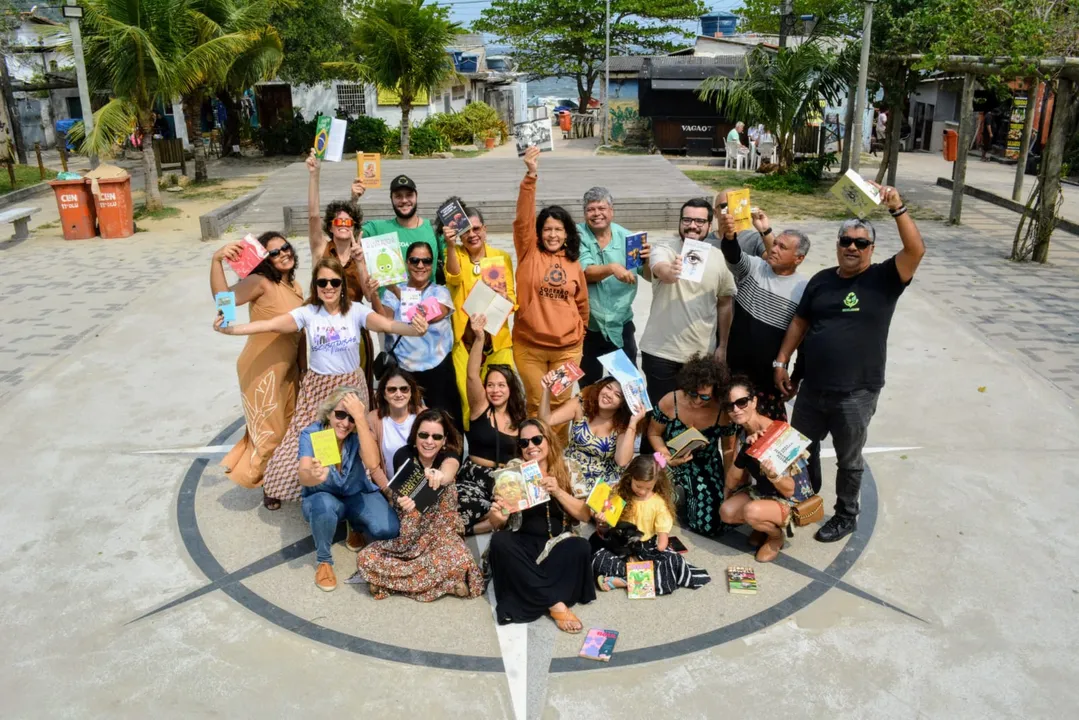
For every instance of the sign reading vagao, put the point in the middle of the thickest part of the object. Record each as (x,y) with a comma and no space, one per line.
(699,128)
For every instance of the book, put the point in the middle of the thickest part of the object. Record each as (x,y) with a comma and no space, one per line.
(738,207)
(677,545)
(493,272)
(252,254)
(322,135)
(384,259)
(778,448)
(226,306)
(429,308)
(635,394)
(634,243)
(410,480)
(518,490)
(453,215)
(618,365)
(369,167)
(742,580)
(605,500)
(686,442)
(324,443)
(534,132)
(566,374)
(599,644)
(640,580)
(484,300)
(694,259)
(859,196)
(335,143)
(410,298)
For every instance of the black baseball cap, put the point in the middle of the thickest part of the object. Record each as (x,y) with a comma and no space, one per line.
(402,182)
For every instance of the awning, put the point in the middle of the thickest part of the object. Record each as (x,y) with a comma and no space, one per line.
(658,84)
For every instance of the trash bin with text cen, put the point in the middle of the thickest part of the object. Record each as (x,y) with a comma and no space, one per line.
(115,212)
(76,207)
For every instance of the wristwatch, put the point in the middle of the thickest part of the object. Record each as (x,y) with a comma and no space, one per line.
(777,364)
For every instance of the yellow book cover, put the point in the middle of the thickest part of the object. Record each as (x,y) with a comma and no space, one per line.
(324,443)
(369,167)
(738,207)
(606,501)
(859,196)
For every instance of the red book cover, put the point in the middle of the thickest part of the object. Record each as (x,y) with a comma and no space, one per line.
(250,257)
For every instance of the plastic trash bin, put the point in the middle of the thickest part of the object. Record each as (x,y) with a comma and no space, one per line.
(565,121)
(115,211)
(951,145)
(76,207)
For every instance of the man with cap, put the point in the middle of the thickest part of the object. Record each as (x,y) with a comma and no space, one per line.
(409,226)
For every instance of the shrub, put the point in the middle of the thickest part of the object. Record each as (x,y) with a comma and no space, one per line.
(791,182)
(423,140)
(365,134)
(454,126)
(472,123)
(812,168)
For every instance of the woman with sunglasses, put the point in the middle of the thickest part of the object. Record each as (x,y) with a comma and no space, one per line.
(754,495)
(470,260)
(428,559)
(696,403)
(428,357)
(397,403)
(498,409)
(269,365)
(343,491)
(333,324)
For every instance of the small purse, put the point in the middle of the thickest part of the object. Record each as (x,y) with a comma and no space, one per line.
(809,511)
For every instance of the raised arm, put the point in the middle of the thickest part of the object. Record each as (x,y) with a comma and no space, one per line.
(248,289)
(565,412)
(314,220)
(280,324)
(453,263)
(907,259)
(764,227)
(623,451)
(524,222)
(370,453)
(477,396)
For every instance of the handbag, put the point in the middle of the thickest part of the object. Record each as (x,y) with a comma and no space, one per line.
(809,511)
(385,360)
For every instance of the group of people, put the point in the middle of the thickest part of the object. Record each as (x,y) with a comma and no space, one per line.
(463,405)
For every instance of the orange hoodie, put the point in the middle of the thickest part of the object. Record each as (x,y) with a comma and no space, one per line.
(552,294)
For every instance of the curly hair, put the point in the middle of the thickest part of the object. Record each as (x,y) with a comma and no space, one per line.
(266,268)
(644,468)
(701,372)
(415,396)
(452,441)
(334,265)
(515,404)
(338,206)
(590,403)
(573,238)
(556,463)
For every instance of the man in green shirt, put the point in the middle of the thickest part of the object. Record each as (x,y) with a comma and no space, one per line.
(406,223)
(611,287)
(735,136)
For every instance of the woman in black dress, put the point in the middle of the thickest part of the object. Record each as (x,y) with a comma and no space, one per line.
(524,588)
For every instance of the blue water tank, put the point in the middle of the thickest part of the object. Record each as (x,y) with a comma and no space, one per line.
(718,23)
(469,63)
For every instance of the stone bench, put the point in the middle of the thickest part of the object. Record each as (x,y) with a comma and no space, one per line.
(20,218)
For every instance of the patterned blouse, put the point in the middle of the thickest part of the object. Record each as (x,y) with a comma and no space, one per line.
(594,454)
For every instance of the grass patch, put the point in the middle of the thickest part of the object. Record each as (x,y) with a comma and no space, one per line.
(208,182)
(198,192)
(25,176)
(468,153)
(621,150)
(141,213)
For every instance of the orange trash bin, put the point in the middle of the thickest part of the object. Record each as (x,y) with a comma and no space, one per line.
(951,145)
(565,121)
(115,212)
(77,215)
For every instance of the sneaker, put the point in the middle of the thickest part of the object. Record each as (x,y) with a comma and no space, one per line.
(355,540)
(837,528)
(324,577)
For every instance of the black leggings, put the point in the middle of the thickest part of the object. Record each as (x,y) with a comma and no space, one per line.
(440,390)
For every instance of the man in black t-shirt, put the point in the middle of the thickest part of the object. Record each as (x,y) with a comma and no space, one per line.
(841,326)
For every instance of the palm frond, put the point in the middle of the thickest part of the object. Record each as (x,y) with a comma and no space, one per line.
(112,123)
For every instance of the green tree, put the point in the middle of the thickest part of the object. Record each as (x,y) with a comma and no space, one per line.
(400,45)
(566,38)
(312,33)
(762,16)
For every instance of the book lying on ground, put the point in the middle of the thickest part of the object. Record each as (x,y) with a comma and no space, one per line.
(742,580)
(411,481)
(493,272)
(738,207)
(485,301)
(519,487)
(252,253)
(778,448)
(859,196)
(599,644)
(640,580)
(634,243)
(605,500)
(324,443)
(686,442)
(617,363)
(453,215)
(226,305)
(534,132)
(677,545)
(566,374)
(694,259)
(369,167)
(430,308)
(384,260)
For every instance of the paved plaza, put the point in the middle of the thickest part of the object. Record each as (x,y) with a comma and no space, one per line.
(138,581)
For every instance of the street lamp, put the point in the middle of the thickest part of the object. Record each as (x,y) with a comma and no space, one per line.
(73,13)
(859,98)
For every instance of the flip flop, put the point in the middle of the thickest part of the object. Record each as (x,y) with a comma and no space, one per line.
(605,584)
(562,620)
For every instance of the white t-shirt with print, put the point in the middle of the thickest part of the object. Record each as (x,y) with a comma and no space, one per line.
(334,340)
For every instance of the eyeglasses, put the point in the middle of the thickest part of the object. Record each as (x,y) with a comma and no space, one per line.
(861,243)
(433,436)
(342,222)
(286,248)
(342,415)
(741,403)
(395,389)
(328,282)
(696,395)
(536,440)
(420,261)
(694,221)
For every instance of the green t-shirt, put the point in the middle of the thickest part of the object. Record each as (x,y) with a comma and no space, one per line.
(733,136)
(407,236)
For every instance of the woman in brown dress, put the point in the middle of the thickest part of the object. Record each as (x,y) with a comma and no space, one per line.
(269,365)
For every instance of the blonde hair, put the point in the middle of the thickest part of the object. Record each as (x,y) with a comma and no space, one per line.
(333,399)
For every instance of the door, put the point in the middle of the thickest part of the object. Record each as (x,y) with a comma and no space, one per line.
(927,127)
(919,117)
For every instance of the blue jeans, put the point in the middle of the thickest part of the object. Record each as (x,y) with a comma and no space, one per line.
(367,512)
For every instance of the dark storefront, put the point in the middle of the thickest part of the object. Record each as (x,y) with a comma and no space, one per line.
(681,122)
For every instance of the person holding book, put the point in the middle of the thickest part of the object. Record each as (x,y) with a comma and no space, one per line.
(612,287)
(755,494)
(696,403)
(428,559)
(538,564)
(645,486)
(427,357)
(333,323)
(840,330)
(686,315)
(551,288)
(342,491)
(750,240)
(498,409)
(397,403)
(408,225)
(470,260)
(601,430)
(269,365)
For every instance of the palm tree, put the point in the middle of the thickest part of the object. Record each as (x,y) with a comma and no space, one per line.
(783,90)
(400,45)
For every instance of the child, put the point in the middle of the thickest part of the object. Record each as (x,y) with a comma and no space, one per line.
(646,487)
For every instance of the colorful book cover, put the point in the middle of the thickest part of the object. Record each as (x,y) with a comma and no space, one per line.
(599,644)
(493,272)
(534,132)
(324,443)
(742,580)
(617,363)
(566,374)
(226,305)
(694,259)
(453,215)
(513,488)
(634,243)
(369,167)
(778,448)
(605,500)
(251,256)
(859,196)
(410,298)
(739,208)
(384,259)
(485,301)
(322,135)
(429,308)
(640,580)
(411,481)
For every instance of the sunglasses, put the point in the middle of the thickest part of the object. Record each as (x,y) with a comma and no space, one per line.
(286,248)
(694,221)
(696,395)
(342,222)
(402,389)
(328,282)
(437,437)
(420,261)
(536,440)
(741,403)
(342,415)
(861,243)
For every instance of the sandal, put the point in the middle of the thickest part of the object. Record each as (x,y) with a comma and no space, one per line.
(563,619)
(270,503)
(605,583)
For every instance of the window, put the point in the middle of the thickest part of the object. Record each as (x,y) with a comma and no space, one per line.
(458,92)
(351,99)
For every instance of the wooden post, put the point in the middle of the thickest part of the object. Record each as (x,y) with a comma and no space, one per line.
(40,165)
(63,151)
(1063,122)
(966,130)
(10,162)
(1024,140)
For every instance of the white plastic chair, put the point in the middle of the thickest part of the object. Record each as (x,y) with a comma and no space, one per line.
(766,150)
(734,155)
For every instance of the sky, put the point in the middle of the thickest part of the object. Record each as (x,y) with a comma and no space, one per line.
(466,11)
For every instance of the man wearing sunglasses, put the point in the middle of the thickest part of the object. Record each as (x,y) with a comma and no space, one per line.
(841,327)
(406,222)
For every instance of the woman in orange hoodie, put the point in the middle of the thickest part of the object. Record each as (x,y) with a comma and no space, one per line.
(552,293)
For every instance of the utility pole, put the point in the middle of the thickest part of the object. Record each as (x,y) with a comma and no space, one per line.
(855,138)
(74,14)
(607,81)
(786,21)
